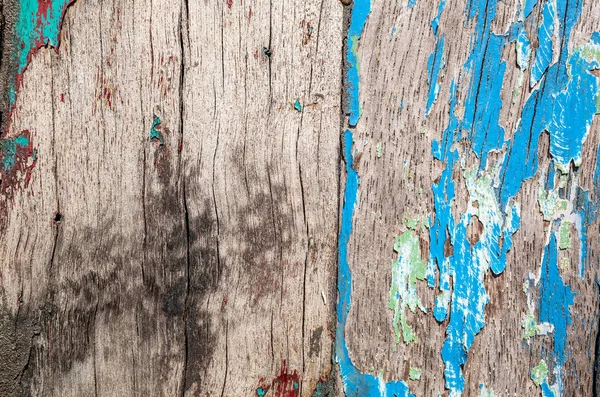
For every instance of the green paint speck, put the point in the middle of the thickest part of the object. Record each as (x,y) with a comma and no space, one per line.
(539,373)
(529,325)
(414,373)
(550,203)
(405,272)
(564,239)
(379,150)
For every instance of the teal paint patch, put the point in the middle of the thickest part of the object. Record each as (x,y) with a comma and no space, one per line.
(10,148)
(155,133)
(326,387)
(297,105)
(38,25)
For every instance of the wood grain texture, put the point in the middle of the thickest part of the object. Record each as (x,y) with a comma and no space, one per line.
(396,184)
(170,224)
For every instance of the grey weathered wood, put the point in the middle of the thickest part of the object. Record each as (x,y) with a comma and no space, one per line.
(207,265)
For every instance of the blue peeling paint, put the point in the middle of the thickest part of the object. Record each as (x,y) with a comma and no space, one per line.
(543,55)
(555,301)
(487,71)
(588,211)
(574,110)
(411,3)
(563,104)
(467,265)
(355,382)
(436,61)
(529,4)
(360,12)
(434,66)
(435,24)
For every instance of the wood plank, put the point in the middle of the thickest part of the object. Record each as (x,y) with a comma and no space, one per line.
(178,262)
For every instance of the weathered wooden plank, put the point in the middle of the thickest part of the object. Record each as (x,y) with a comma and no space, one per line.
(189,258)
(262,181)
(407,107)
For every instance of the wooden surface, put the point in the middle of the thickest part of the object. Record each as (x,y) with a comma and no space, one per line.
(170,215)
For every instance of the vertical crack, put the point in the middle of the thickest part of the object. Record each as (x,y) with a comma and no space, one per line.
(269,48)
(187,292)
(226,357)
(184,15)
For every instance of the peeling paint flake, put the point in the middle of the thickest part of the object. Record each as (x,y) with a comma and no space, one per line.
(414,373)
(539,375)
(543,54)
(355,382)
(155,133)
(436,61)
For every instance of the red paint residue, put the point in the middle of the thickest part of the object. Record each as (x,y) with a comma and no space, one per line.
(224,303)
(286,384)
(107,95)
(229,4)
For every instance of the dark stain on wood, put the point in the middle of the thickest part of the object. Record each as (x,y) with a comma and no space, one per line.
(315,342)
(16,332)
(204,274)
